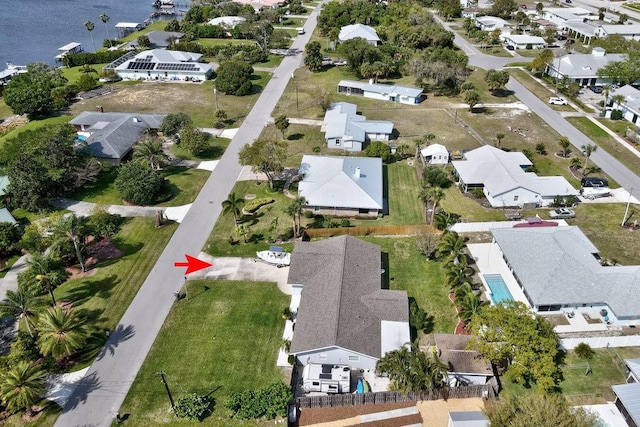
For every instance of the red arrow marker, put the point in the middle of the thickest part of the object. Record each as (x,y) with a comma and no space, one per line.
(192,264)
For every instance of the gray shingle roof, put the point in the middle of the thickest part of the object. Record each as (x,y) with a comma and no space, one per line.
(629,395)
(114,134)
(556,265)
(331,181)
(342,302)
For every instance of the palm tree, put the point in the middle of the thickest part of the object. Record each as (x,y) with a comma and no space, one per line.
(451,246)
(606,90)
(587,150)
(499,137)
(21,305)
(233,204)
(617,100)
(69,229)
(150,150)
(61,332)
(435,195)
(105,18)
(565,144)
(21,386)
(243,231)
(89,26)
(413,370)
(470,306)
(295,210)
(47,272)
(457,274)
(461,291)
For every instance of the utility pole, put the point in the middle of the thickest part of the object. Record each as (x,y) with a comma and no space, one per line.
(626,211)
(215,94)
(166,387)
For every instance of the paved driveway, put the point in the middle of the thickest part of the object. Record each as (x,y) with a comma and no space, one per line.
(236,268)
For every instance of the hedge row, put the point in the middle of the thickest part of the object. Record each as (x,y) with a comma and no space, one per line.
(255,204)
(101,57)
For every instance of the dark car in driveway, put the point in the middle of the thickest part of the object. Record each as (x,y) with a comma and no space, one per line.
(595,89)
(594,181)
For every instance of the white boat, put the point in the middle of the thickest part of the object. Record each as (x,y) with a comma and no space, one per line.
(592,193)
(275,256)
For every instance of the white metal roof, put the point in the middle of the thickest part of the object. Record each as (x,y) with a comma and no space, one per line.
(434,149)
(331,181)
(228,21)
(524,39)
(579,65)
(380,88)
(629,395)
(633,29)
(69,46)
(366,32)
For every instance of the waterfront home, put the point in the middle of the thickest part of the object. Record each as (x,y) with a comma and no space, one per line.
(111,136)
(349,131)
(345,316)
(161,64)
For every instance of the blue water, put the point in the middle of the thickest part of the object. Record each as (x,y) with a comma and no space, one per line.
(499,290)
(33,30)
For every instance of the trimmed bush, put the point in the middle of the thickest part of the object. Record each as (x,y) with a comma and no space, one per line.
(100,57)
(616,115)
(253,205)
(268,402)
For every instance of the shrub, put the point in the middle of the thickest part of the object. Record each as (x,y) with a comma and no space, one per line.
(584,351)
(378,149)
(194,140)
(193,406)
(541,149)
(308,214)
(138,183)
(87,82)
(174,122)
(345,223)
(529,46)
(436,176)
(616,115)
(477,193)
(100,57)
(268,402)
(253,205)
(316,149)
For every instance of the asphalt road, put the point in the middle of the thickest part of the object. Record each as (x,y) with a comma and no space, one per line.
(616,170)
(102,391)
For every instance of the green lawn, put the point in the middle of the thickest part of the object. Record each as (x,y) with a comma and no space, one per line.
(224,338)
(108,293)
(184,185)
(73,74)
(606,142)
(217,146)
(404,208)
(35,124)
(423,280)
(5,111)
(224,42)
(595,388)
(468,208)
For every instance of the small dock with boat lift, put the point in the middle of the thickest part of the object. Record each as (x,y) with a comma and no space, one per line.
(126,28)
(70,48)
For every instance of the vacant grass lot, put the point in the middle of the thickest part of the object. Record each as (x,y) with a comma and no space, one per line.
(271,220)
(109,291)
(595,388)
(224,338)
(5,111)
(423,280)
(606,142)
(197,100)
(182,187)
(216,149)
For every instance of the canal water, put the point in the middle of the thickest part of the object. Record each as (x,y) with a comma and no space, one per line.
(33,30)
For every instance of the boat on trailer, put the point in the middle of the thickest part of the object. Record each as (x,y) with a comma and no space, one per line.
(275,256)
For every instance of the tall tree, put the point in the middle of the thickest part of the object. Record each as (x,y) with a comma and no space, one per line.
(31,93)
(105,18)
(503,8)
(45,272)
(62,332)
(282,123)
(313,56)
(138,183)
(470,305)
(587,150)
(90,26)
(471,98)
(234,205)
(523,344)
(265,156)
(431,196)
(21,386)
(173,123)
(496,80)
(21,305)
(451,246)
(234,78)
(70,228)
(294,210)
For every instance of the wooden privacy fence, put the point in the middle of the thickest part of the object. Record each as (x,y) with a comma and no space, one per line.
(372,230)
(486,391)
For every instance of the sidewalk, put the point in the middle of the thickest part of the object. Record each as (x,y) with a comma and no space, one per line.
(10,280)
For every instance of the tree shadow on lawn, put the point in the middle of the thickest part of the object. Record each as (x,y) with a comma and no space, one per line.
(295,136)
(90,288)
(126,247)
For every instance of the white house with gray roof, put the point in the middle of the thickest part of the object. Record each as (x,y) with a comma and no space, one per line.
(345,129)
(583,68)
(342,186)
(522,41)
(630,107)
(562,15)
(504,181)
(396,93)
(166,65)
(111,136)
(490,23)
(558,269)
(345,316)
(354,31)
(629,32)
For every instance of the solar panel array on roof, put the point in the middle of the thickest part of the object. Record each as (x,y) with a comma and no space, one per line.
(124,58)
(140,65)
(168,66)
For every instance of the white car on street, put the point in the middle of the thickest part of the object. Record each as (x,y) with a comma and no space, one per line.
(556,100)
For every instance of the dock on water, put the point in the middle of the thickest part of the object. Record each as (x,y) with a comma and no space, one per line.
(73,47)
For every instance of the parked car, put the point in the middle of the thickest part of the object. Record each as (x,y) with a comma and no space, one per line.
(562,213)
(595,89)
(301,31)
(594,181)
(509,47)
(556,100)
(567,1)
(523,6)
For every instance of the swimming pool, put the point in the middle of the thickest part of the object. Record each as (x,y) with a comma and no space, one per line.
(499,290)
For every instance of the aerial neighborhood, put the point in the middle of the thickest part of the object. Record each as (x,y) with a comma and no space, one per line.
(325,213)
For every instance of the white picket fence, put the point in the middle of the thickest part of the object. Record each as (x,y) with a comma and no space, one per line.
(601,342)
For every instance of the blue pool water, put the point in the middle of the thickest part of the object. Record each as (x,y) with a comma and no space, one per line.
(499,290)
